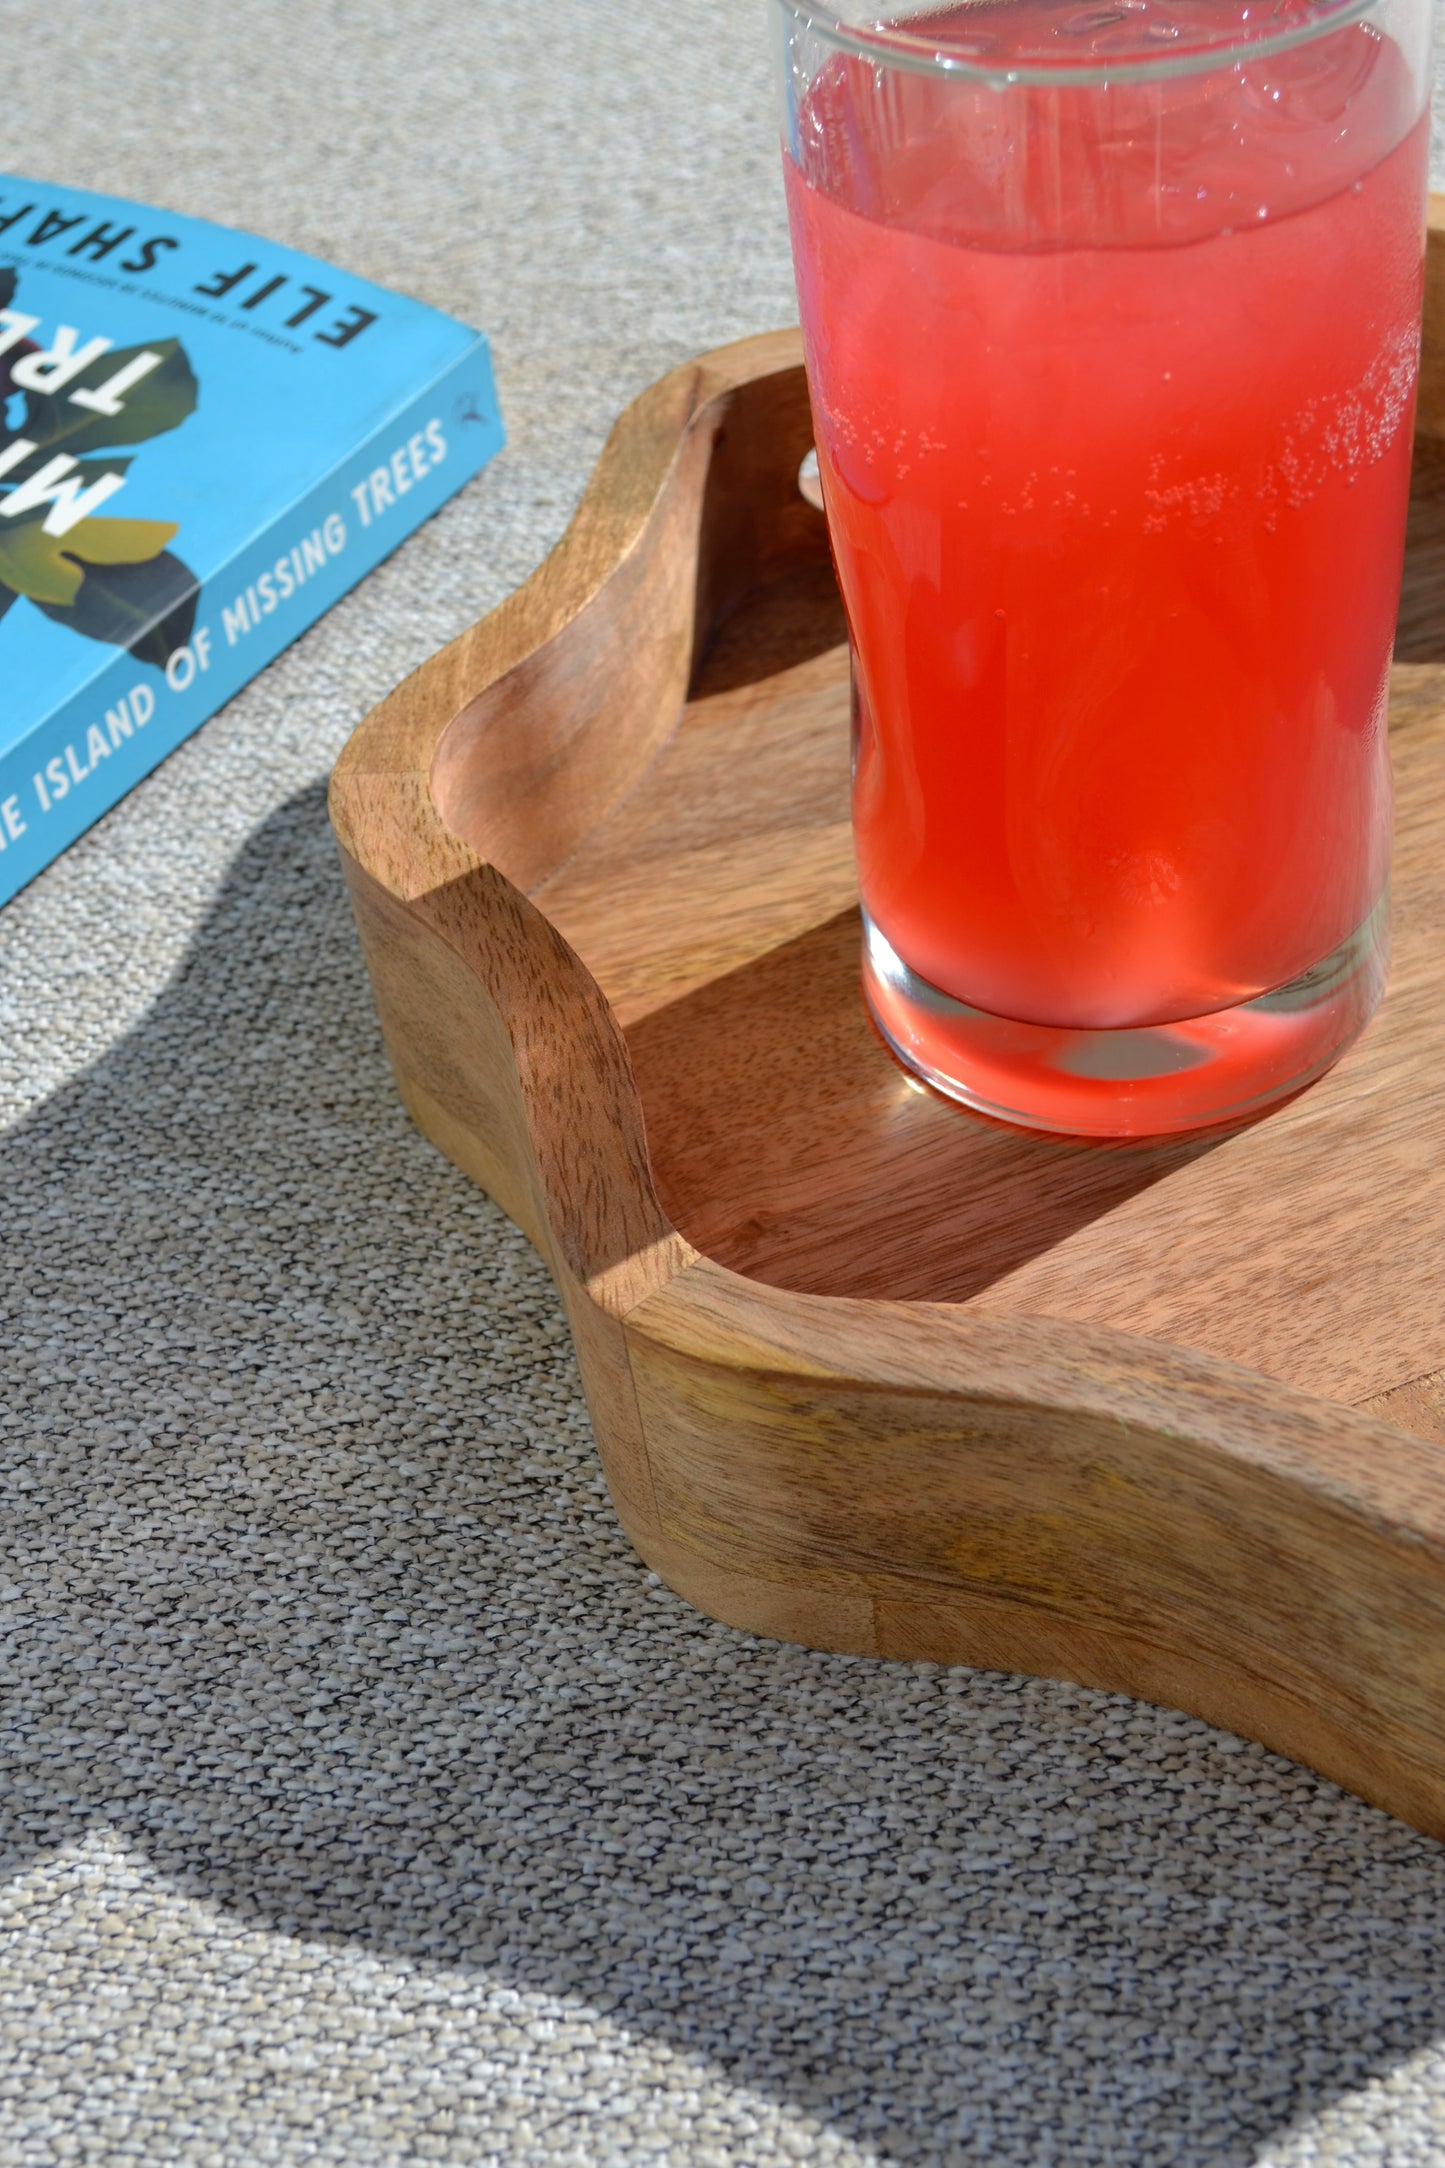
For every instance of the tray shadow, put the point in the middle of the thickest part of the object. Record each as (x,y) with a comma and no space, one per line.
(320,1608)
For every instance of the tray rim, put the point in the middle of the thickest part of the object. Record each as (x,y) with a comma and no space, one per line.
(646,1306)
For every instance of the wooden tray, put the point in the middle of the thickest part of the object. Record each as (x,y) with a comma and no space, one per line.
(866,1371)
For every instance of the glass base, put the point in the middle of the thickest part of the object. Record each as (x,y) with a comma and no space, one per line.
(1144,1081)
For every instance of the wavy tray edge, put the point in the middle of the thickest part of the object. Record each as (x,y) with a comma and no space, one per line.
(892,1480)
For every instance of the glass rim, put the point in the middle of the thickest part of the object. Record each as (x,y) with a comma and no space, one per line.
(894,45)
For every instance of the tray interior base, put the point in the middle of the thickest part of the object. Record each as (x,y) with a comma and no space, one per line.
(716,906)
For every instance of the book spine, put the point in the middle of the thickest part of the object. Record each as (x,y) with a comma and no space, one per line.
(80,760)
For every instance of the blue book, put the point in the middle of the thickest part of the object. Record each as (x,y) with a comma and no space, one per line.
(205,440)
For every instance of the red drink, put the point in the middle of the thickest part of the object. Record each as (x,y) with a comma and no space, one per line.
(1113,388)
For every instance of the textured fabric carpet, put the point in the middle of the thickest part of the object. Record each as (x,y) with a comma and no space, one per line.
(363,1799)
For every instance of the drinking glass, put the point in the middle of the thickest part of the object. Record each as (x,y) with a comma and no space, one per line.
(1111,315)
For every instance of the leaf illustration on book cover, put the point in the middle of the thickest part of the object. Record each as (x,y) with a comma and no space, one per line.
(50,568)
(107,579)
(149,608)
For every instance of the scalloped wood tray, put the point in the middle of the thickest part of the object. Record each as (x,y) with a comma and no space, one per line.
(867,1371)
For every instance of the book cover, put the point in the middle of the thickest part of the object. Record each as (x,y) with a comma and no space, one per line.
(205,440)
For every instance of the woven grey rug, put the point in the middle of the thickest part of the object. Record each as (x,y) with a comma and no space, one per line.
(363,1799)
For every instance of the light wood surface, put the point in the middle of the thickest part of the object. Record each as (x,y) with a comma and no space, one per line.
(867,1371)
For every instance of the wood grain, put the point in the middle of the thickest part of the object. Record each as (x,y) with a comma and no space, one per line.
(865,1370)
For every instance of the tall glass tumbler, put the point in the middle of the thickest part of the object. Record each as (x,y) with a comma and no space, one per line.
(1111,315)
